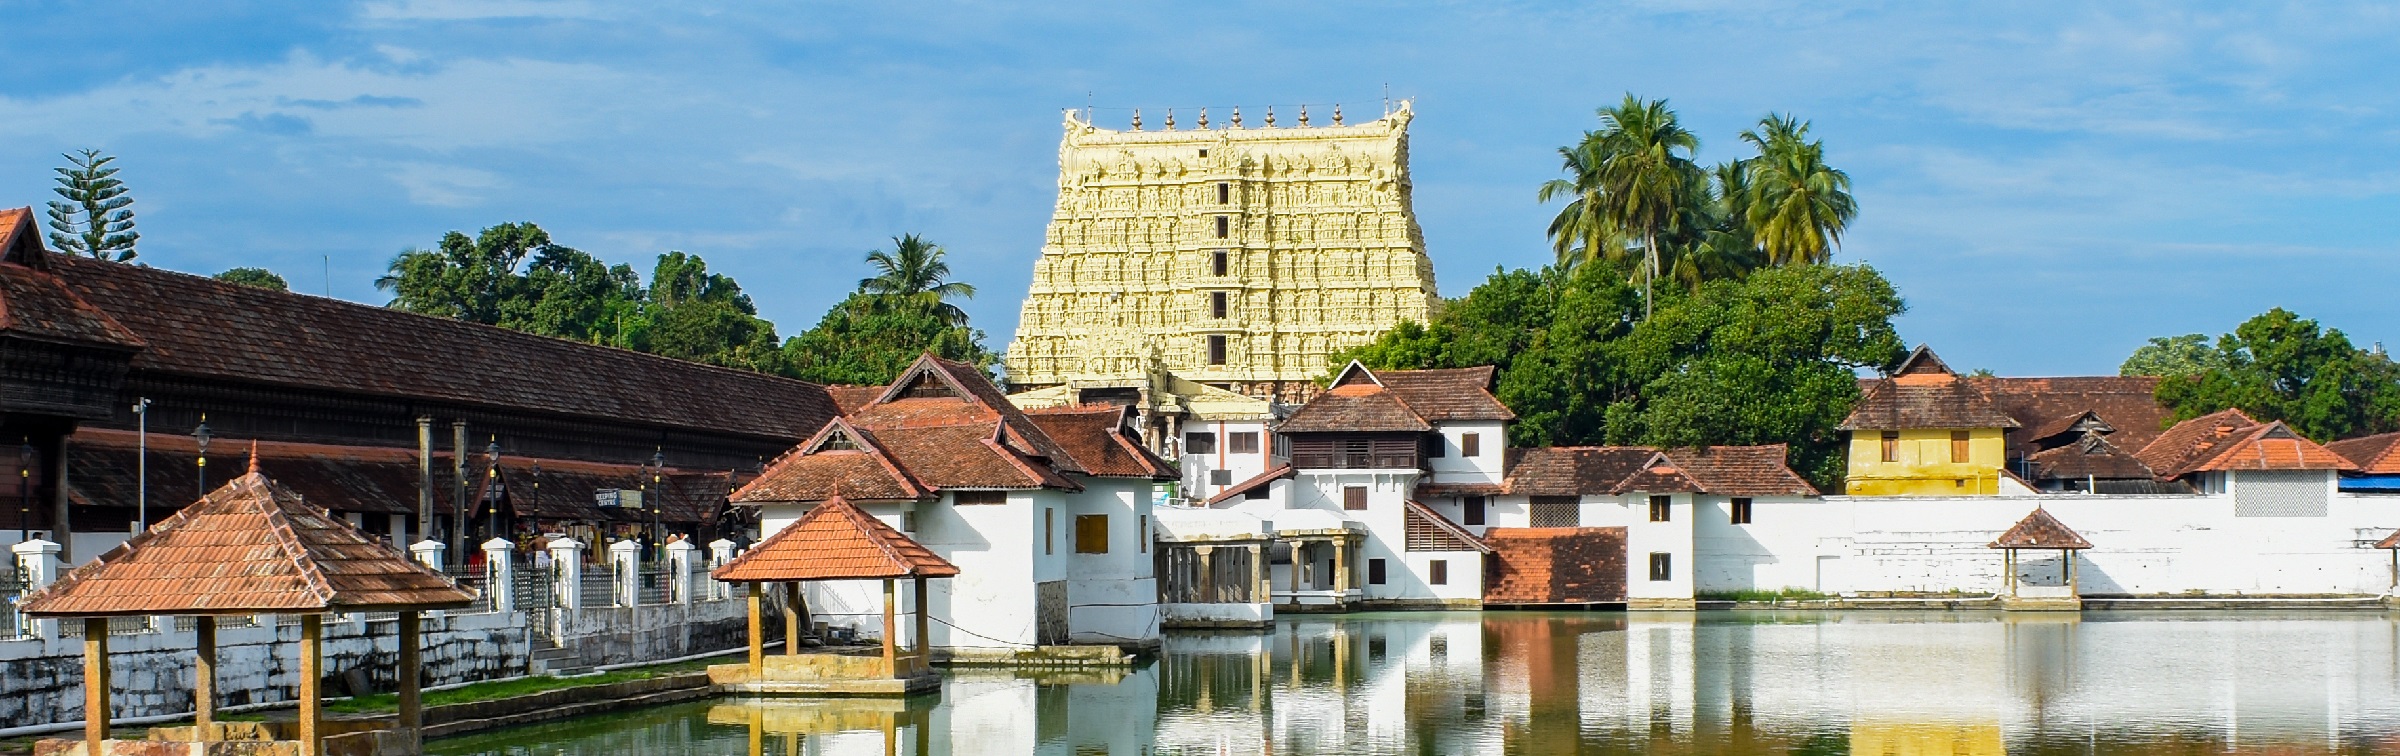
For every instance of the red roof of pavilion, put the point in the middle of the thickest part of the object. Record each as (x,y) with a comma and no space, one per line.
(2040,531)
(835,541)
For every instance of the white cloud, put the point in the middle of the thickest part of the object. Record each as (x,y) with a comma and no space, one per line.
(445,185)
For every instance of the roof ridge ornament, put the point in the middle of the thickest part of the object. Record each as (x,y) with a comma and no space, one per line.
(253,456)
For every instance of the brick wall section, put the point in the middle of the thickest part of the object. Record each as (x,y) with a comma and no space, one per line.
(1555,566)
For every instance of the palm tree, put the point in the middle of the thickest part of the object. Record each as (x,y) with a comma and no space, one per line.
(1583,231)
(913,269)
(1646,175)
(1714,240)
(1798,205)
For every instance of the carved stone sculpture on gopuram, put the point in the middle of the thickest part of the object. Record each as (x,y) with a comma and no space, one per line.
(1241,257)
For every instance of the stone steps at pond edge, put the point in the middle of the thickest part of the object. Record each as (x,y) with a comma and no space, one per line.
(557,662)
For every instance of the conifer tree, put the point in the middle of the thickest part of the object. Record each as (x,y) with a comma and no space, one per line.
(96,219)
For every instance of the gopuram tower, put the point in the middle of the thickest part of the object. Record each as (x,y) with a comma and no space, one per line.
(1234,257)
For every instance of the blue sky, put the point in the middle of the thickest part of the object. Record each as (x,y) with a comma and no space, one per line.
(2047,183)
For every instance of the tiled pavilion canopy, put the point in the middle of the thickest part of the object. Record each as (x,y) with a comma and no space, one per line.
(835,541)
(250,547)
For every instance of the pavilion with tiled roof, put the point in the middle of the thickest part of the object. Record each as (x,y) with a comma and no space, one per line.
(2041,531)
(835,540)
(250,547)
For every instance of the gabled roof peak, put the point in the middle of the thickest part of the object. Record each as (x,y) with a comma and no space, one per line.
(2040,530)
(1922,361)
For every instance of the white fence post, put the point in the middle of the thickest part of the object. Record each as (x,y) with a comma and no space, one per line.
(566,558)
(37,562)
(720,551)
(428,552)
(625,557)
(679,567)
(500,573)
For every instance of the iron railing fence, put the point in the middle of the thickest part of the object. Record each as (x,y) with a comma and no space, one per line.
(12,590)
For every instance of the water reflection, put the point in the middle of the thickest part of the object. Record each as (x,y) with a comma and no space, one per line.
(1525,683)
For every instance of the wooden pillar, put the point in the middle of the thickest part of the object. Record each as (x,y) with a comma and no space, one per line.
(793,618)
(758,724)
(411,678)
(891,735)
(204,677)
(95,683)
(758,631)
(1294,577)
(923,639)
(312,670)
(891,626)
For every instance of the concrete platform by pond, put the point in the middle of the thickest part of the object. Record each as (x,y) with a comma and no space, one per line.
(827,673)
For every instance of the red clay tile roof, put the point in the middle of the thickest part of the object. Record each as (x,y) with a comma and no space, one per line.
(1741,470)
(1927,402)
(199,327)
(2191,442)
(251,547)
(1354,408)
(1427,530)
(1448,395)
(2040,531)
(2272,446)
(2047,407)
(2092,456)
(851,398)
(1573,470)
(1278,472)
(1095,435)
(1658,475)
(835,541)
(940,392)
(2373,454)
(820,469)
(1426,487)
(2390,541)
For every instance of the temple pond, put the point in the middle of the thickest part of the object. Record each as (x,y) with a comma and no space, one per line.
(1595,683)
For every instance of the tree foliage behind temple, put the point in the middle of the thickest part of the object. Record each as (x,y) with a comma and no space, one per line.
(1770,358)
(2279,366)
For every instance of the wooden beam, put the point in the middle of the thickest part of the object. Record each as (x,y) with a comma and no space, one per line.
(792,619)
(204,677)
(412,664)
(891,626)
(312,672)
(923,640)
(758,632)
(95,683)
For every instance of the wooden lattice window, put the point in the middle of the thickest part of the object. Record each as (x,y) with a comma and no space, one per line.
(1555,512)
(1354,497)
(1472,510)
(1241,443)
(1891,446)
(1437,572)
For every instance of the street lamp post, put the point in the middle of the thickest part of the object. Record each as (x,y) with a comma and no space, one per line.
(491,488)
(536,506)
(201,434)
(25,491)
(658,468)
(141,466)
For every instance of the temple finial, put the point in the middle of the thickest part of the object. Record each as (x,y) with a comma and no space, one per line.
(1170,119)
(253,456)
(1304,116)
(1137,119)
(1237,116)
(1270,116)
(1203,119)
(1337,114)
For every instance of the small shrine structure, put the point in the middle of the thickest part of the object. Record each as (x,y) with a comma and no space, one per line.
(251,547)
(834,541)
(2041,531)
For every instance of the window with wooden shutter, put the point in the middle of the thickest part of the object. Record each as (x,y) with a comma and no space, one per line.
(1473,514)
(1958,446)
(1662,566)
(1241,443)
(1891,446)
(1091,534)
(1200,443)
(1375,572)
(1741,510)
(1470,444)
(966,498)
(1437,572)
(1662,508)
(1354,497)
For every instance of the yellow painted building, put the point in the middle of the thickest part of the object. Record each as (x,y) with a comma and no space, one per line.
(1925,431)
(1239,257)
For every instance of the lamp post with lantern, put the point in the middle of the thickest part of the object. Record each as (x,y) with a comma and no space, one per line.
(491,488)
(25,491)
(201,434)
(658,469)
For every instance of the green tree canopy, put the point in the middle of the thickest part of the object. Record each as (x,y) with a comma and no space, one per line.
(1769,358)
(258,277)
(914,269)
(96,220)
(2173,356)
(2279,366)
(894,316)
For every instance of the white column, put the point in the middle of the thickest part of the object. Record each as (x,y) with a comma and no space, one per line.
(37,560)
(680,558)
(428,552)
(625,557)
(566,577)
(500,573)
(720,551)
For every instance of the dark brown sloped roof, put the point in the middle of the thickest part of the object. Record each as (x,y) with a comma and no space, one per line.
(1427,530)
(1923,393)
(1741,470)
(835,541)
(1095,435)
(2178,450)
(2373,454)
(251,547)
(1458,394)
(2048,407)
(1355,408)
(200,327)
(851,398)
(35,304)
(2040,531)
(1278,472)
(2092,456)
(1573,470)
